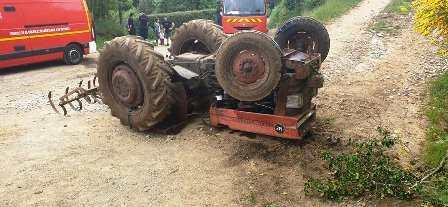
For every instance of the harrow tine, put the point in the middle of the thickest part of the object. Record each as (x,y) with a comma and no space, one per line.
(64,109)
(94,81)
(52,103)
(65,99)
(74,97)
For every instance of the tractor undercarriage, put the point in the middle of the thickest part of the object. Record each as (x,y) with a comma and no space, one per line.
(248,83)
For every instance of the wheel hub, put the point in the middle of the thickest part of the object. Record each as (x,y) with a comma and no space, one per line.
(126,86)
(74,55)
(249,67)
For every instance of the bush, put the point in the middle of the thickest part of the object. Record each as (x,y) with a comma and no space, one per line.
(282,12)
(431,19)
(109,28)
(323,10)
(181,17)
(365,170)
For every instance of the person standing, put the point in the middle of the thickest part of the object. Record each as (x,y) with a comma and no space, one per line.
(157,31)
(131,25)
(168,27)
(143,25)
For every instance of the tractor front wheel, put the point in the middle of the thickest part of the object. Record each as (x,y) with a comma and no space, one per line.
(197,36)
(303,34)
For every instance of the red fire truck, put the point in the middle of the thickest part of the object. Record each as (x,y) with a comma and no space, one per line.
(44,30)
(239,15)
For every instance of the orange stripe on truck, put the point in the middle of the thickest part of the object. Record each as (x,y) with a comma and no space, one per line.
(43,35)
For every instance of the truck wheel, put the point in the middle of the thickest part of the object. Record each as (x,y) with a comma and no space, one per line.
(248,66)
(197,36)
(73,54)
(295,32)
(135,83)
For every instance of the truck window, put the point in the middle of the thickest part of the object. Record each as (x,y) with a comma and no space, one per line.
(244,7)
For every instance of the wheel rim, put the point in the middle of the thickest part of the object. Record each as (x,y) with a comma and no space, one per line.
(249,69)
(195,46)
(126,87)
(303,41)
(74,55)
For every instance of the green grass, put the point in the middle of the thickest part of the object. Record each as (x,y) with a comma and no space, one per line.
(436,191)
(437,113)
(100,40)
(332,9)
(399,7)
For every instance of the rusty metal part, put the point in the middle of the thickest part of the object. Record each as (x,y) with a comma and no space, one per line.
(126,86)
(288,127)
(249,67)
(90,95)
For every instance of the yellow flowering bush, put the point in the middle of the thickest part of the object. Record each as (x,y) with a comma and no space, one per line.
(431,19)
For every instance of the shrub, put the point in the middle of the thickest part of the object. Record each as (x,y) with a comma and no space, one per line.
(431,19)
(181,17)
(365,170)
(109,27)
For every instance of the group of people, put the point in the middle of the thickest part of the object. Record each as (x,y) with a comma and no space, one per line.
(162,29)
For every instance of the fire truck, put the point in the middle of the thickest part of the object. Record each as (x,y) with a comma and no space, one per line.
(238,15)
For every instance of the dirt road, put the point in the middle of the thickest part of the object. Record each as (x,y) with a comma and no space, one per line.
(89,159)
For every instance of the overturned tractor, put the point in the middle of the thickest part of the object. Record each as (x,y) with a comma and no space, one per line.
(247,81)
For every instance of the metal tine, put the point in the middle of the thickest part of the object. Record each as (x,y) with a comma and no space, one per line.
(80,83)
(64,109)
(66,99)
(94,81)
(89,84)
(52,103)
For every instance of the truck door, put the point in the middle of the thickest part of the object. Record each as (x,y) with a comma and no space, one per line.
(14,42)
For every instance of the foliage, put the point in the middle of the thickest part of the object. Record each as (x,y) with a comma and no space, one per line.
(184,5)
(332,9)
(323,10)
(431,19)
(436,191)
(399,7)
(437,113)
(180,17)
(108,27)
(272,205)
(366,169)
(147,6)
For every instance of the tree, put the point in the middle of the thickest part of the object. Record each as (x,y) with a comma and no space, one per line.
(101,8)
(431,19)
(147,6)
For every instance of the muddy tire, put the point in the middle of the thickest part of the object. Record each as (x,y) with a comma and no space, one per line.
(197,36)
(135,82)
(248,66)
(297,29)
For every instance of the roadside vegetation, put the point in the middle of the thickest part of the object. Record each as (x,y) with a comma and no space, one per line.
(390,21)
(323,10)
(111,16)
(367,169)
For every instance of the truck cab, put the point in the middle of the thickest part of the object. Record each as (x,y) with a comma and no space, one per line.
(238,15)
(44,30)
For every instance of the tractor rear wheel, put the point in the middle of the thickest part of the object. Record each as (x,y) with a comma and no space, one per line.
(303,33)
(248,66)
(197,36)
(135,82)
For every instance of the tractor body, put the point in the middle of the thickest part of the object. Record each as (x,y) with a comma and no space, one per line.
(247,81)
